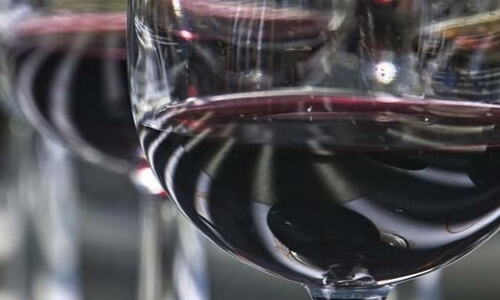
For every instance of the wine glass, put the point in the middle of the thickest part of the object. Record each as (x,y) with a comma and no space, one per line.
(65,66)
(344,145)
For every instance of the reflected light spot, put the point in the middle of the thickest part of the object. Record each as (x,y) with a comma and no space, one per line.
(145,178)
(187,35)
(385,72)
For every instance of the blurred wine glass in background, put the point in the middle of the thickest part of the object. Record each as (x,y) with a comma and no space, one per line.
(65,71)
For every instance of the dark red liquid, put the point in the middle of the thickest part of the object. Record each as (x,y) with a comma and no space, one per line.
(342,190)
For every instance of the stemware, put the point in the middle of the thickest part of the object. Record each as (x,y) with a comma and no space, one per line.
(65,71)
(344,145)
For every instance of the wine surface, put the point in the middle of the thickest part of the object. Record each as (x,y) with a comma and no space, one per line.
(344,189)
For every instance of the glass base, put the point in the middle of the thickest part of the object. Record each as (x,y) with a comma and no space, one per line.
(332,293)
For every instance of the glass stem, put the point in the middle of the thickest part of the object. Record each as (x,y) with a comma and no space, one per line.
(54,214)
(428,287)
(150,272)
(172,253)
(330,293)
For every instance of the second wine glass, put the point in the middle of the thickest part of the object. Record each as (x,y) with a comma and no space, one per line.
(66,73)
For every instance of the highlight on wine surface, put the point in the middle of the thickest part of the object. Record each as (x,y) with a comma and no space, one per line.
(345,145)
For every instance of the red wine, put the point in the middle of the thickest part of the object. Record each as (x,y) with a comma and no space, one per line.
(344,190)
(69,77)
